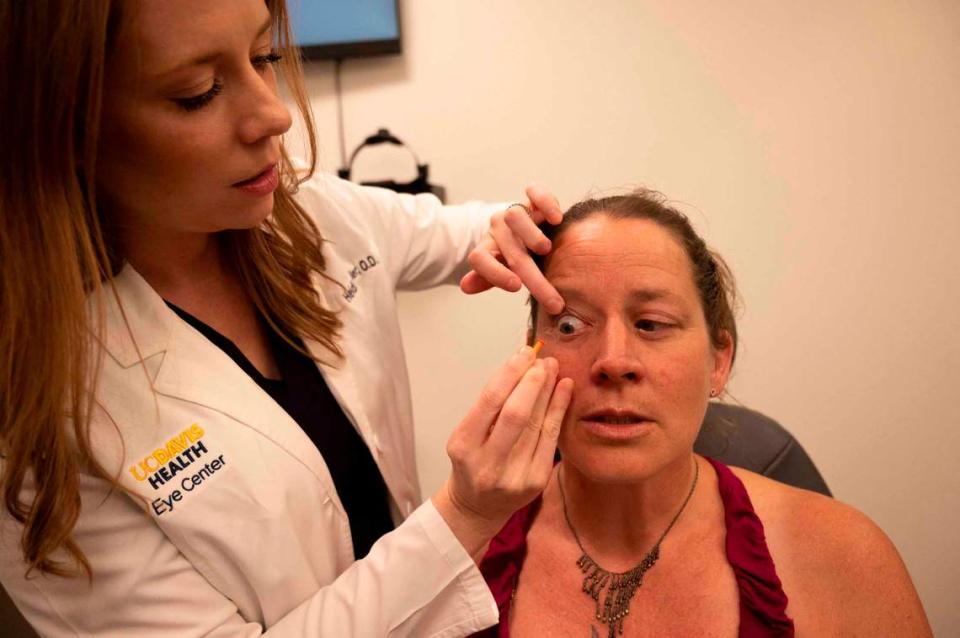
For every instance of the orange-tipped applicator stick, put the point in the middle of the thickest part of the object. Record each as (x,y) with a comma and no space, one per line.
(537,346)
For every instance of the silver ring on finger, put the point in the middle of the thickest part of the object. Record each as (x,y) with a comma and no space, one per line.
(523,206)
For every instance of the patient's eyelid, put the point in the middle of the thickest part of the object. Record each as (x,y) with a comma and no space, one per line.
(654,327)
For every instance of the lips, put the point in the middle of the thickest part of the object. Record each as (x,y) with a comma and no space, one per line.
(261,184)
(615,417)
(617,426)
(256,176)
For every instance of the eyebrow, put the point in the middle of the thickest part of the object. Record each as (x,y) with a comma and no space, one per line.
(652,294)
(640,295)
(207,58)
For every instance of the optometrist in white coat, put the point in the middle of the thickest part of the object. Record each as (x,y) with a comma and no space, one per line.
(233,524)
(185,500)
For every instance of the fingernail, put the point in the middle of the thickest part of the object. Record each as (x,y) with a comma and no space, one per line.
(556,305)
(525,351)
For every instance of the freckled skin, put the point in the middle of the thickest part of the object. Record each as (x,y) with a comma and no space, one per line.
(627,351)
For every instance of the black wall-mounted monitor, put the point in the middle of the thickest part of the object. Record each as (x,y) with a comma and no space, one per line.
(337,29)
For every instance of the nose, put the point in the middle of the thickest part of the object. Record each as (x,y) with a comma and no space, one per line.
(617,360)
(266,115)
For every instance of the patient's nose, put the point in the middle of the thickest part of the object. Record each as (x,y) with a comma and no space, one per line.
(616,360)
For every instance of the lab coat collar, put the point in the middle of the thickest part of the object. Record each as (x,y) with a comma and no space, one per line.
(135,318)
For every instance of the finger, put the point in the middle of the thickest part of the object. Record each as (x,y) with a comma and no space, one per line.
(515,415)
(519,261)
(543,200)
(524,227)
(472,283)
(514,253)
(487,267)
(541,289)
(474,428)
(543,456)
(527,442)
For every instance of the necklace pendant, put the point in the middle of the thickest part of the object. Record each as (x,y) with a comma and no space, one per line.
(620,589)
(620,586)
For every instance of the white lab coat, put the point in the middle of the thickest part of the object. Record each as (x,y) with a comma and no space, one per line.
(242,531)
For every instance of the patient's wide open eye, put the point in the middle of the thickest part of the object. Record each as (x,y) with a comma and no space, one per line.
(568,324)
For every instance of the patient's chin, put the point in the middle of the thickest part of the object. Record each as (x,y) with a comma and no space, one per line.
(615,465)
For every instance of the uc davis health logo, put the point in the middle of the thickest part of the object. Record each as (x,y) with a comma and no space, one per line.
(176,455)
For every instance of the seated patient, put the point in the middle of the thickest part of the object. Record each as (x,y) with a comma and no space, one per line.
(635,535)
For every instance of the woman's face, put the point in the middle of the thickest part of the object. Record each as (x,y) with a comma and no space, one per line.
(191,118)
(634,339)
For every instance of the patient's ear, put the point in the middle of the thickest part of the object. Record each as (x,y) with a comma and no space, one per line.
(722,362)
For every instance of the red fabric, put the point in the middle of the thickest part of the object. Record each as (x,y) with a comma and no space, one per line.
(763,602)
(502,562)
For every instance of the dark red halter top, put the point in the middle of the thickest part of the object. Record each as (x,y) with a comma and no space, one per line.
(763,602)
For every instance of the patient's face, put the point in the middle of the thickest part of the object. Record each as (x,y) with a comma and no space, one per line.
(634,339)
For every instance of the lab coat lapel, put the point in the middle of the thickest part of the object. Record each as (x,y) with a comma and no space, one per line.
(349,391)
(195,370)
(338,375)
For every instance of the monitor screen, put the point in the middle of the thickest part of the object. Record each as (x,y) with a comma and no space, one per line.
(330,29)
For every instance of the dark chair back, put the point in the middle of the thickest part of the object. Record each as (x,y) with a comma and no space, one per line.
(740,437)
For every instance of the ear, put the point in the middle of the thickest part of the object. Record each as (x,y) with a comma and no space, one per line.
(722,362)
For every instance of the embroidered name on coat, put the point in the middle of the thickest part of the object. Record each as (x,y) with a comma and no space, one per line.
(362,266)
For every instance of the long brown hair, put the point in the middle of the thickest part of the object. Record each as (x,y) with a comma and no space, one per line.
(56,264)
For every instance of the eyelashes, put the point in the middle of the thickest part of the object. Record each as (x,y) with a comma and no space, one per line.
(261,61)
(199,101)
(196,102)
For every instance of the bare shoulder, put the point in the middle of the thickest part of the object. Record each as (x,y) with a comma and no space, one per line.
(814,520)
(830,555)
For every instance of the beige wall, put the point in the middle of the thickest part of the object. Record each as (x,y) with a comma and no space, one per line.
(814,143)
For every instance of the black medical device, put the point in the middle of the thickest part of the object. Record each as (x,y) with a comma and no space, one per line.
(420,184)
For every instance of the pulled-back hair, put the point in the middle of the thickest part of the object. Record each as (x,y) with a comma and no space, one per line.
(57,258)
(711,275)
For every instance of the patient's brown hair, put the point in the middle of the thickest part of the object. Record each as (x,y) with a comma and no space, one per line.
(711,274)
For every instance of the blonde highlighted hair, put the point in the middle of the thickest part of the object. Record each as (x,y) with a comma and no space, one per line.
(55,256)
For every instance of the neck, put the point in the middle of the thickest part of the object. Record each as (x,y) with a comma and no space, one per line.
(175,264)
(617,524)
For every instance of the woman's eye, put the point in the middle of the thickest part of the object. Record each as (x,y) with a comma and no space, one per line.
(650,326)
(262,61)
(199,101)
(568,324)
(195,102)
